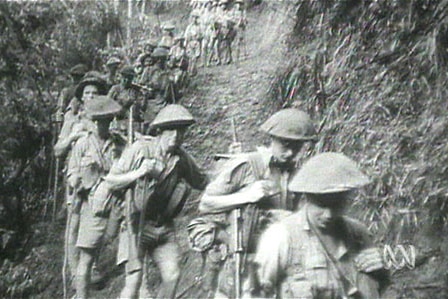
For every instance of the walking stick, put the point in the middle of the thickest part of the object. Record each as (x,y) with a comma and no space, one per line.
(58,121)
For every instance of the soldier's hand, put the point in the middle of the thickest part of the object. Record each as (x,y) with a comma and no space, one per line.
(260,189)
(369,260)
(151,167)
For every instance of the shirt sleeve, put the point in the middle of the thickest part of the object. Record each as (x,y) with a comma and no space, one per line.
(271,256)
(235,175)
(74,168)
(127,160)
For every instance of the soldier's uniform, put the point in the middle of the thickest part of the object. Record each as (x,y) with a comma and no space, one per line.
(164,191)
(293,259)
(163,89)
(91,158)
(75,121)
(111,76)
(68,93)
(193,37)
(167,40)
(126,94)
(246,169)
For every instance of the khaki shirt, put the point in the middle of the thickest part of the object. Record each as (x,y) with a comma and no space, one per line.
(238,173)
(177,166)
(90,160)
(126,97)
(293,263)
(74,123)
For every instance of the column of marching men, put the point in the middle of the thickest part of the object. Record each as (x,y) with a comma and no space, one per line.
(127,176)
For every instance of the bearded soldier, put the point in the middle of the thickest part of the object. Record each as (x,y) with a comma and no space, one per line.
(258,180)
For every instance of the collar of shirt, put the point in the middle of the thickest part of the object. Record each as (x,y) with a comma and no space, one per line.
(303,224)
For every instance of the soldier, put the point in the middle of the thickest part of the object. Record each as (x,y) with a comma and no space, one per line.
(238,15)
(74,119)
(161,84)
(226,36)
(178,63)
(111,76)
(167,39)
(74,127)
(156,168)
(193,39)
(317,252)
(77,73)
(92,157)
(207,23)
(127,94)
(259,177)
(148,48)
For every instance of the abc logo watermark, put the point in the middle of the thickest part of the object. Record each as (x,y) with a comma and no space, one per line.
(399,257)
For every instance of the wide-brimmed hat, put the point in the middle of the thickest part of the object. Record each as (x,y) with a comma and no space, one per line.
(91,78)
(102,107)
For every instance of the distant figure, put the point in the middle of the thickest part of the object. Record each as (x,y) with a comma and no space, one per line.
(68,93)
(127,94)
(112,65)
(167,39)
(193,42)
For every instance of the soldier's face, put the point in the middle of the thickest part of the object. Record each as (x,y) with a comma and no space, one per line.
(172,138)
(322,210)
(89,92)
(285,150)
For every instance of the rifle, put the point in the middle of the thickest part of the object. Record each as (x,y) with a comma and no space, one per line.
(237,234)
(142,87)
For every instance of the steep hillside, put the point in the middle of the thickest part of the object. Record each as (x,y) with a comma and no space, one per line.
(371,73)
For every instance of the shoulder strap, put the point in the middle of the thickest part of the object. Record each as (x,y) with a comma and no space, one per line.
(257,164)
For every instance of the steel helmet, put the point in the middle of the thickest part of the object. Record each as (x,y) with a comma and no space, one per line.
(102,107)
(113,60)
(172,115)
(128,71)
(160,52)
(79,70)
(328,173)
(290,124)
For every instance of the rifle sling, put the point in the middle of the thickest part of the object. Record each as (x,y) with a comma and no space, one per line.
(351,288)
